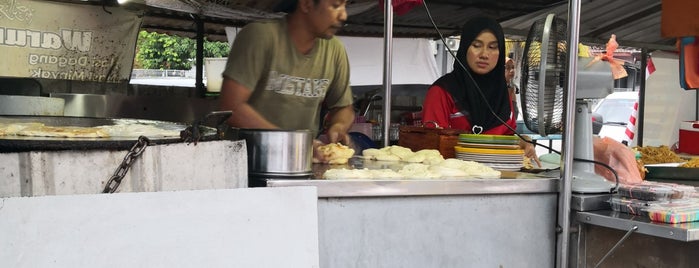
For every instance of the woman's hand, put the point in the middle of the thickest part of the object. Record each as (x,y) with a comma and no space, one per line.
(529,150)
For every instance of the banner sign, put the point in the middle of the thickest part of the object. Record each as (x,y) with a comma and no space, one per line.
(52,40)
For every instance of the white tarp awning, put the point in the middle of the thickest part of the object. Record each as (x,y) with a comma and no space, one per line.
(413,61)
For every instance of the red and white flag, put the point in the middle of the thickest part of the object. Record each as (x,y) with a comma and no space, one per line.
(650,67)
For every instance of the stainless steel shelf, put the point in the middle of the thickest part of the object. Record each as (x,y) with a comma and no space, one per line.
(616,220)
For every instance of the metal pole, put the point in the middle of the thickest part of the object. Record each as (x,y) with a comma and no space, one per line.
(387,61)
(563,238)
(641,97)
(199,75)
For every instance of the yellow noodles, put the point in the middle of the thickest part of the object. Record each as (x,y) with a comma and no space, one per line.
(657,155)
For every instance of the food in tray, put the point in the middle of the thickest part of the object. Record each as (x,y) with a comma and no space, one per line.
(655,191)
(693,163)
(446,169)
(336,153)
(674,212)
(631,205)
(657,155)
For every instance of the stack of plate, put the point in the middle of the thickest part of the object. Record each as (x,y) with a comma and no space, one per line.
(500,152)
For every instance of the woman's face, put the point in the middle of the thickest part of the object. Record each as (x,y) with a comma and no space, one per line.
(482,54)
(509,70)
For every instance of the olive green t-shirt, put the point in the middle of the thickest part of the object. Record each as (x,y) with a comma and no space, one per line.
(288,87)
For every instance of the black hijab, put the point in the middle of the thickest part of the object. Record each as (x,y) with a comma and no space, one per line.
(463,89)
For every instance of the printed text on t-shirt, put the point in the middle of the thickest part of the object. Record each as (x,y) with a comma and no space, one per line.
(298,86)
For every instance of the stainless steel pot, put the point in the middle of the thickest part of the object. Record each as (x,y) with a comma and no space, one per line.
(278,152)
(31,105)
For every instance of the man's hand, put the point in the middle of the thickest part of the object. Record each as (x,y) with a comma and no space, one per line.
(617,156)
(338,133)
(318,156)
(339,122)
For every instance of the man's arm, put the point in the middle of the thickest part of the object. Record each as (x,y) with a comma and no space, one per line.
(234,97)
(340,120)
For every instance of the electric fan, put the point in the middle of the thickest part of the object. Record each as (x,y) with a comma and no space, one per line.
(543,96)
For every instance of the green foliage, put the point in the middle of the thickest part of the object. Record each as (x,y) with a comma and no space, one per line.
(216,49)
(162,51)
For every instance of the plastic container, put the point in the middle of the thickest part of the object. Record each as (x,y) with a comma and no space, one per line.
(631,206)
(655,191)
(214,68)
(674,212)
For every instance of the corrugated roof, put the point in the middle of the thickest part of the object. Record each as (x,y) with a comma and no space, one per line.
(635,22)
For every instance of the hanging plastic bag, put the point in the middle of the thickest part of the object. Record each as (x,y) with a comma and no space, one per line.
(616,155)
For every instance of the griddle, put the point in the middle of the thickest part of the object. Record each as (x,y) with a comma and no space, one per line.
(24,144)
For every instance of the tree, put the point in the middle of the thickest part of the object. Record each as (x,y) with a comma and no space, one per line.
(216,49)
(162,51)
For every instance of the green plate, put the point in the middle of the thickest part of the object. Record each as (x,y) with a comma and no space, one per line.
(489,139)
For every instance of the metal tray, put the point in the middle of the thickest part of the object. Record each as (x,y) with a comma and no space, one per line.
(671,171)
(23,144)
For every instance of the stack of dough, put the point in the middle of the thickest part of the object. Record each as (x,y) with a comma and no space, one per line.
(453,167)
(336,153)
(398,153)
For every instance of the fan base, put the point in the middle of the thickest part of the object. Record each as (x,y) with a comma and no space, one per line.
(588,183)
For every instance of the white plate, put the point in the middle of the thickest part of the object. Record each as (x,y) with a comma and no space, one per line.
(494,158)
(504,166)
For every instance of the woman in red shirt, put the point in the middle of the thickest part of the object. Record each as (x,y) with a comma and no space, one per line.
(474,96)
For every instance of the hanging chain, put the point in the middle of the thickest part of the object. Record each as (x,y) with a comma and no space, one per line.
(123,168)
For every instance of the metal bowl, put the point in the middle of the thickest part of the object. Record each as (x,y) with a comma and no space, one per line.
(278,152)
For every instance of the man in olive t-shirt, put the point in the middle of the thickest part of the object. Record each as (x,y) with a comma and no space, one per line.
(280,72)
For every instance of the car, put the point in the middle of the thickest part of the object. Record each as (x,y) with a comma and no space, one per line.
(616,110)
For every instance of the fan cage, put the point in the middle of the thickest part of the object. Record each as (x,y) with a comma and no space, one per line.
(549,119)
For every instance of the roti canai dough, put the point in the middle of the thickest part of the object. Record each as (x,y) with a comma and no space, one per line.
(397,153)
(446,169)
(63,132)
(336,153)
(35,129)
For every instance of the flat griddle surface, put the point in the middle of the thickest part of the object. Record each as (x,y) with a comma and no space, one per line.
(24,143)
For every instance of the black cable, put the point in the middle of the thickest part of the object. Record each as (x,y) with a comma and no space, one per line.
(104,7)
(616,176)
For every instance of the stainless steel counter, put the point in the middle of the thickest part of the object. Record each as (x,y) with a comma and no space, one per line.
(431,223)
(509,183)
